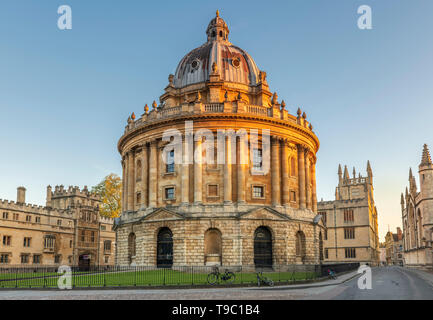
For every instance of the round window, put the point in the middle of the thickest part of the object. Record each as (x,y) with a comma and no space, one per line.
(195,64)
(236,62)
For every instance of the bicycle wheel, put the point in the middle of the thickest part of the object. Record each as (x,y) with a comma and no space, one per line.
(230,277)
(212,278)
(270,282)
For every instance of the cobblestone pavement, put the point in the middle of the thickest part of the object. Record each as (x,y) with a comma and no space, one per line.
(388,283)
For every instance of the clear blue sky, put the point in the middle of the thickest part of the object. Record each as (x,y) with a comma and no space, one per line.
(65,95)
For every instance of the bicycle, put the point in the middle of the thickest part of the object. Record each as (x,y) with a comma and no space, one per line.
(332,275)
(262,279)
(228,277)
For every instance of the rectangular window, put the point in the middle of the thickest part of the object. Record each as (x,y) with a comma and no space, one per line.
(28,218)
(83,235)
(326,234)
(349,233)
(258,192)
(5,215)
(103,228)
(257,159)
(107,259)
(293,196)
(59,222)
(24,258)
(326,254)
(49,242)
(36,259)
(169,193)
(57,258)
(4,258)
(6,240)
(348,215)
(27,241)
(16,216)
(169,167)
(92,236)
(350,253)
(107,245)
(212,190)
(38,219)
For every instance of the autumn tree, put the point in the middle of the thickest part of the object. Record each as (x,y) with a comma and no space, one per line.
(110,191)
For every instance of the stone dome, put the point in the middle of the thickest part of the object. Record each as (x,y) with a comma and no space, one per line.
(233,63)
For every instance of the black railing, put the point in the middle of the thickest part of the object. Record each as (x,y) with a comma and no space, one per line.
(152,276)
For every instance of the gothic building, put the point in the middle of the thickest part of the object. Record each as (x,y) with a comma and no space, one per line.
(232,197)
(68,230)
(417,216)
(351,220)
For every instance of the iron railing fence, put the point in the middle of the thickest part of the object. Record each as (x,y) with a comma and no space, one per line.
(151,276)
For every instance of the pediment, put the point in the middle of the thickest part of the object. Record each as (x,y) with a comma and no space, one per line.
(264,213)
(162,214)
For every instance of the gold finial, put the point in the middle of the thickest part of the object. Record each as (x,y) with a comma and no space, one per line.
(217,13)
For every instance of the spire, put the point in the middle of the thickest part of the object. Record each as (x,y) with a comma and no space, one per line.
(402,199)
(354,173)
(410,173)
(346,173)
(426,159)
(369,171)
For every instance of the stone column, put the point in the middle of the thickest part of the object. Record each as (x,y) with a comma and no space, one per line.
(275,171)
(145,177)
(307,180)
(198,172)
(314,193)
(131,178)
(242,167)
(185,173)
(153,172)
(228,194)
(124,183)
(285,172)
(301,176)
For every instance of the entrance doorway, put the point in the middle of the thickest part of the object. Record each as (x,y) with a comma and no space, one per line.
(263,248)
(164,257)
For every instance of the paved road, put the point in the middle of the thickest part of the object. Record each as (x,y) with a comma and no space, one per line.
(387,284)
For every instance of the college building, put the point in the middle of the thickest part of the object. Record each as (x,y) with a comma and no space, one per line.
(68,230)
(417,216)
(351,220)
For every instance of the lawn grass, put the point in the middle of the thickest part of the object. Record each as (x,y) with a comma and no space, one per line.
(159,277)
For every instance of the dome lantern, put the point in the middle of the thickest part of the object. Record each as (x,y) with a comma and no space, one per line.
(217,29)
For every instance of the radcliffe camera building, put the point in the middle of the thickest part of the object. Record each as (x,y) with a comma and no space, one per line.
(417,216)
(351,220)
(237,213)
(68,230)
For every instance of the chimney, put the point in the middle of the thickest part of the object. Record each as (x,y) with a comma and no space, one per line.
(399,234)
(21,195)
(49,194)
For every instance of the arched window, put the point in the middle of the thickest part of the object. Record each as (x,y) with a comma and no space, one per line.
(164,248)
(139,170)
(263,247)
(131,245)
(300,245)
(293,166)
(212,247)
(420,229)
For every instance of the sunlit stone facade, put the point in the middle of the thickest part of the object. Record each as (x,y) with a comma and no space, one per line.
(417,216)
(255,205)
